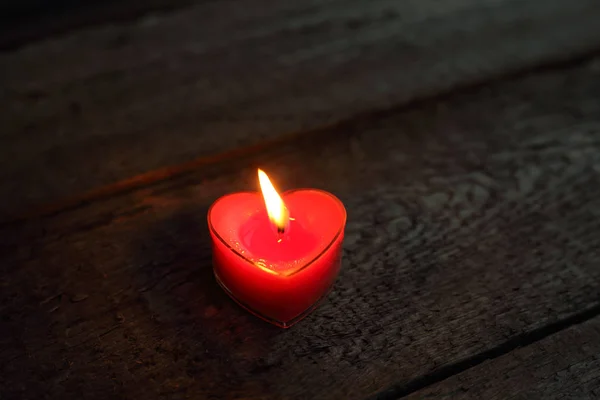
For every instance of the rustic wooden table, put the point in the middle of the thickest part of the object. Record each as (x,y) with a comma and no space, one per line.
(463,137)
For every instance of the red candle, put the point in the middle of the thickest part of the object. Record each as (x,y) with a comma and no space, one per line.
(277,256)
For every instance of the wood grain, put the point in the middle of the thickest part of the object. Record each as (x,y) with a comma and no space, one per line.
(562,366)
(102,104)
(473,221)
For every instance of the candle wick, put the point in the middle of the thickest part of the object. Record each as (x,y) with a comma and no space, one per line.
(280,233)
(281,230)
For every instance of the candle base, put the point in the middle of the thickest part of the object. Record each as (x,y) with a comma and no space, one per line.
(280,324)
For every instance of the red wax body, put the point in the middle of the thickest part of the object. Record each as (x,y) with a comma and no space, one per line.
(278,278)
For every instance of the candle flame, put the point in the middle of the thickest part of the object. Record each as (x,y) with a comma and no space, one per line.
(278,213)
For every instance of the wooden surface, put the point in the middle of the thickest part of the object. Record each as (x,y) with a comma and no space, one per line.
(473,230)
(565,365)
(95,106)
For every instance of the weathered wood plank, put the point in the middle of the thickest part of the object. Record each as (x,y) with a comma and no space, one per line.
(473,220)
(562,366)
(103,104)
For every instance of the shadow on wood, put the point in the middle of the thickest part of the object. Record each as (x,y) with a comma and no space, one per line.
(176,281)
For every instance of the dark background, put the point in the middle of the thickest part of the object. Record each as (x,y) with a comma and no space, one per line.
(27,20)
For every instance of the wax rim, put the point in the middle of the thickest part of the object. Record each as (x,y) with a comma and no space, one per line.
(308,264)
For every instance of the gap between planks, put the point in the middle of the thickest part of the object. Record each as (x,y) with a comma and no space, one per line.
(526,339)
(162,174)
(129,84)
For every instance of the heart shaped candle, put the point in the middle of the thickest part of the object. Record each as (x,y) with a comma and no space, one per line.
(277,256)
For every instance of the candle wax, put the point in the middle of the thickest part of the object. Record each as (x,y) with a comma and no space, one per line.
(282,250)
(279,277)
